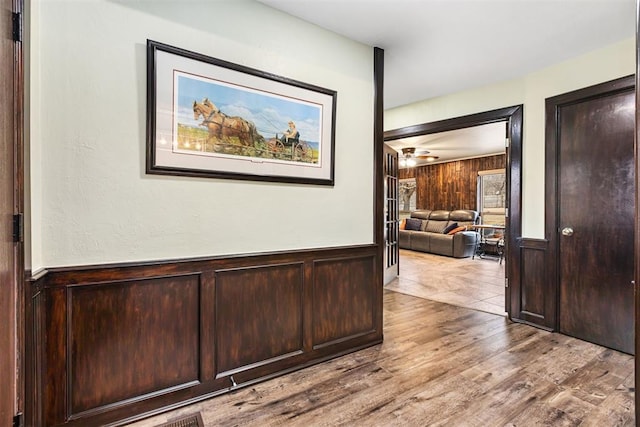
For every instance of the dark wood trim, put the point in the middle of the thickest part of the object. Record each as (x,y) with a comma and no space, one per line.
(622,84)
(486,117)
(18,208)
(378,146)
(550,213)
(529,243)
(327,302)
(514,117)
(637,219)
(108,272)
(34,336)
(378,184)
(514,191)
(552,106)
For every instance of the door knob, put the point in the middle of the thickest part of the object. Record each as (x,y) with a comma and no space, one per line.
(567,231)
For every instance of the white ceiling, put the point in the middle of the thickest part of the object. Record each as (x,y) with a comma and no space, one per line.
(437,47)
(477,141)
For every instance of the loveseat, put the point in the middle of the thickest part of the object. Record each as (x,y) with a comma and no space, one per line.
(440,232)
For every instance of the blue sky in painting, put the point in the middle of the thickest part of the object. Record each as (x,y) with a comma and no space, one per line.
(269,113)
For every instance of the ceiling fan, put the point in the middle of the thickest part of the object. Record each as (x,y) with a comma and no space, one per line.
(409,156)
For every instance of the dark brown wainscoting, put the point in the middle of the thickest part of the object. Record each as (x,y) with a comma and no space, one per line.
(451,185)
(115,342)
(531,290)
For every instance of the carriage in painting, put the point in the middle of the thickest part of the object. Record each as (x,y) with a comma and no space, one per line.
(290,148)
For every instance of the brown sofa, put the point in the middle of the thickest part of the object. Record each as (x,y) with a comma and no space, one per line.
(432,233)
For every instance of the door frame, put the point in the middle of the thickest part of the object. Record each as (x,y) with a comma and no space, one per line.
(15,19)
(637,218)
(18,208)
(552,214)
(513,116)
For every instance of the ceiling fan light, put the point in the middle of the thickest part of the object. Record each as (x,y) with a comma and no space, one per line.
(411,162)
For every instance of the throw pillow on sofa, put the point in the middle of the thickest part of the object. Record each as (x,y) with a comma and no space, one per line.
(450,227)
(413,224)
(403,224)
(457,229)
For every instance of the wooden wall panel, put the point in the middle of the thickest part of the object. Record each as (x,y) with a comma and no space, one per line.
(533,277)
(258,315)
(55,338)
(131,338)
(34,369)
(532,293)
(343,299)
(112,343)
(451,185)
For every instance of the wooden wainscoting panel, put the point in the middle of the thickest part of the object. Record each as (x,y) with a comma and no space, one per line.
(34,354)
(131,338)
(118,342)
(533,276)
(55,340)
(533,294)
(207,325)
(258,315)
(344,297)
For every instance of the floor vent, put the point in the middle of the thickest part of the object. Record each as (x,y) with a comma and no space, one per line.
(193,420)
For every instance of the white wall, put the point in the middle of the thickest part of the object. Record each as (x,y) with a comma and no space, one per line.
(91,201)
(599,66)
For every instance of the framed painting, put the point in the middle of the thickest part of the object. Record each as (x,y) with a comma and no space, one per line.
(407,189)
(211,118)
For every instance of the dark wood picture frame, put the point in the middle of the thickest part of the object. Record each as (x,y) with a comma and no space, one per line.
(211,118)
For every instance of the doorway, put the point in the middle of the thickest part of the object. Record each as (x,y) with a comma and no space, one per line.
(591,208)
(512,116)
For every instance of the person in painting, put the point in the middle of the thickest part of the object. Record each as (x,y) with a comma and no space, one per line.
(290,135)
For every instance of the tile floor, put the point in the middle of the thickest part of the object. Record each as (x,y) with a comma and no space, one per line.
(465,282)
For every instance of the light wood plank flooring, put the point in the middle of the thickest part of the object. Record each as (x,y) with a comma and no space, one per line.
(466,282)
(441,365)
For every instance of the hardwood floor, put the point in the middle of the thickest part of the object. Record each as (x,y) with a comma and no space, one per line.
(465,282)
(441,365)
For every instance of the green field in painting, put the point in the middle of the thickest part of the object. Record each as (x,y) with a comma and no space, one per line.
(197,140)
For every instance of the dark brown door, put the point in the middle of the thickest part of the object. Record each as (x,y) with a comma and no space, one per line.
(596,207)
(391,214)
(8,291)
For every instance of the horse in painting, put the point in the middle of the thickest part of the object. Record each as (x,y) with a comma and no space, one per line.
(225,129)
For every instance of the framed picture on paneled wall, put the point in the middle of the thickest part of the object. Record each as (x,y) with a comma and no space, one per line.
(211,118)
(407,190)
